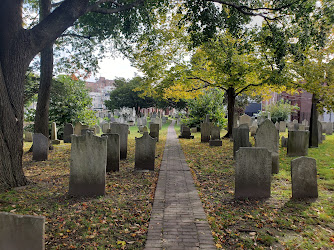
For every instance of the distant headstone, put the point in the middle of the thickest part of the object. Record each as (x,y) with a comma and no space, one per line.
(235,120)
(68,131)
(185,133)
(284,142)
(97,129)
(54,131)
(205,131)
(252,130)
(88,165)
(122,130)
(267,136)
(78,128)
(112,119)
(28,136)
(145,152)
(240,138)
(282,126)
(178,121)
(113,152)
(40,149)
(215,137)
(298,142)
(139,122)
(245,119)
(319,132)
(145,129)
(277,125)
(305,122)
(328,128)
(252,173)
(21,231)
(304,178)
(291,126)
(154,131)
(260,119)
(301,127)
(193,130)
(105,127)
(140,129)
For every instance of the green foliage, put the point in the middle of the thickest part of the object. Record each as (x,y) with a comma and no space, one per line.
(126,95)
(279,111)
(70,102)
(30,87)
(210,102)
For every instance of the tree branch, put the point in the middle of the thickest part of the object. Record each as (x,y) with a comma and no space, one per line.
(207,84)
(120,8)
(76,35)
(246,87)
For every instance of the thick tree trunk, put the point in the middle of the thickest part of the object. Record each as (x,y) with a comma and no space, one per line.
(230,111)
(313,140)
(46,69)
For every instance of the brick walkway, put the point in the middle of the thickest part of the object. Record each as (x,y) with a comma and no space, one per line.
(178,220)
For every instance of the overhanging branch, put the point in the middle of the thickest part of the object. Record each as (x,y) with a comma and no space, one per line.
(97,9)
(246,87)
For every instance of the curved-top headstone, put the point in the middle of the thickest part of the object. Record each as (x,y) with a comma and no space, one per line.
(113,152)
(40,149)
(267,136)
(245,119)
(68,131)
(88,165)
(252,173)
(205,131)
(154,130)
(145,152)
(240,137)
(282,126)
(122,130)
(298,142)
(304,178)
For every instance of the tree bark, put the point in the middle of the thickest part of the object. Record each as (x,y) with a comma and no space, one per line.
(314,139)
(46,71)
(230,111)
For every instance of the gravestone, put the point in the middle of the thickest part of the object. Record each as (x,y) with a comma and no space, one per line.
(260,119)
(193,130)
(319,132)
(97,129)
(296,126)
(113,152)
(185,133)
(122,130)
(267,136)
(282,126)
(302,127)
(154,131)
(305,122)
(253,129)
(105,127)
(291,126)
(78,128)
(328,128)
(88,165)
(145,152)
(252,173)
(245,119)
(164,119)
(144,121)
(54,131)
(295,121)
(112,119)
(235,120)
(178,121)
(28,136)
(21,232)
(40,149)
(298,142)
(277,125)
(205,131)
(68,131)
(140,129)
(284,142)
(240,138)
(304,178)
(145,129)
(139,122)
(215,137)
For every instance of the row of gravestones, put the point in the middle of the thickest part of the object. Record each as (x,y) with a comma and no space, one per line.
(210,133)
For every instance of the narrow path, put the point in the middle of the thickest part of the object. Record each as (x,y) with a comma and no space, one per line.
(178,220)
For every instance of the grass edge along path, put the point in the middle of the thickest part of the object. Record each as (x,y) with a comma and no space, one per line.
(278,222)
(118,220)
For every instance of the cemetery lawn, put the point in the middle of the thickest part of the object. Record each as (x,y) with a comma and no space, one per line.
(278,222)
(117,220)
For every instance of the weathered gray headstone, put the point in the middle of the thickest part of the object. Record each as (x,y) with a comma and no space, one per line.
(154,131)
(235,120)
(282,126)
(319,132)
(28,136)
(252,130)
(245,119)
(215,136)
(304,178)
(21,232)
(145,129)
(305,122)
(205,131)
(284,142)
(145,152)
(54,131)
(302,127)
(298,142)
(105,127)
(328,128)
(40,149)
(267,136)
(291,126)
(252,173)
(260,119)
(97,129)
(122,130)
(88,165)
(240,137)
(185,133)
(113,152)
(68,131)
(277,125)
(78,128)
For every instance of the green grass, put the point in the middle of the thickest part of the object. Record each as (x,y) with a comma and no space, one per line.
(278,222)
(117,220)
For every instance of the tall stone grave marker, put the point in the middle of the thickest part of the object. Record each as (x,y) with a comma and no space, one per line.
(113,152)
(122,130)
(205,131)
(68,131)
(267,136)
(21,231)
(215,137)
(88,165)
(298,142)
(245,119)
(185,133)
(40,149)
(240,138)
(54,139)
(252,173)
(145,152)
(105,127)
(319,132)
(77,128)
(28,136)
(284,142)
(304,178)
(282,126)
(154,131)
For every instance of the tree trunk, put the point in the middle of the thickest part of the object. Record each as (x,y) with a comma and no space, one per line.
(46,70)
(313,139)
(230,111)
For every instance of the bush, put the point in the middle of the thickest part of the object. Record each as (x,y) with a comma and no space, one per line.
(279,111)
